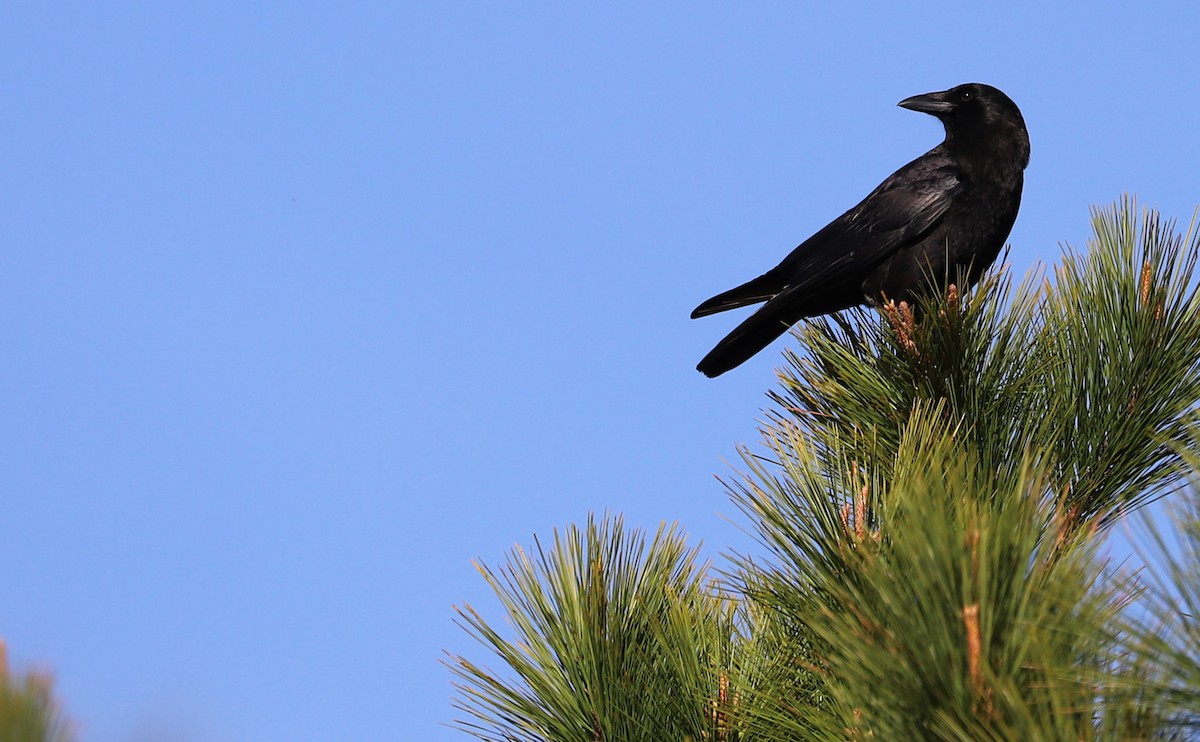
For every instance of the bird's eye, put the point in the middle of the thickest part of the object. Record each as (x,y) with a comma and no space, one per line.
(965,96)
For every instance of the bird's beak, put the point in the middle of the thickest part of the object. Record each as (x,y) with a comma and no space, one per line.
(932,103)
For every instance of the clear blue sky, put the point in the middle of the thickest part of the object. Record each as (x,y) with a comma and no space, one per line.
(304,306)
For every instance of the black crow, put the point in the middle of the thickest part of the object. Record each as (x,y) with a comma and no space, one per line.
(945,214)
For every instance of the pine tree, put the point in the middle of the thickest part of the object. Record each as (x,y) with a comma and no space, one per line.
(931,493)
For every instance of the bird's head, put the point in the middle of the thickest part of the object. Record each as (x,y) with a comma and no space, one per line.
(975,114)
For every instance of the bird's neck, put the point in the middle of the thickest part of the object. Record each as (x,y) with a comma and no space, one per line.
(988,156)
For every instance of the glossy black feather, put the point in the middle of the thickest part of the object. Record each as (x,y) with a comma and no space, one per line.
(946,213)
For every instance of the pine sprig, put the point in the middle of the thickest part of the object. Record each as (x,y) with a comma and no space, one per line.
(1122,331)
(615,638)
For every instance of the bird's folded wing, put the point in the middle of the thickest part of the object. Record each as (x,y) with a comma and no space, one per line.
(900,212)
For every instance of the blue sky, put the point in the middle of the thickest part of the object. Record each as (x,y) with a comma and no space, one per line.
(304,307)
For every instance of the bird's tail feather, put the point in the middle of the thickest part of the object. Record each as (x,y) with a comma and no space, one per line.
(751,292)
(757,332)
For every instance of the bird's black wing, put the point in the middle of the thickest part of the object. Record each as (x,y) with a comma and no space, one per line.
(898,212)
(825,273)
(901,211)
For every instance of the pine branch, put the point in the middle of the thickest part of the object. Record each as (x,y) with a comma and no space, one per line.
(28,710)
(934,477)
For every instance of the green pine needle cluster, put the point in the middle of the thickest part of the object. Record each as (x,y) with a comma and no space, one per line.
(28,711)
(611,634)
(931,494)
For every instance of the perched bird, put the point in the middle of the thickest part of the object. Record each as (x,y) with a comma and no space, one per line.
(943,215)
